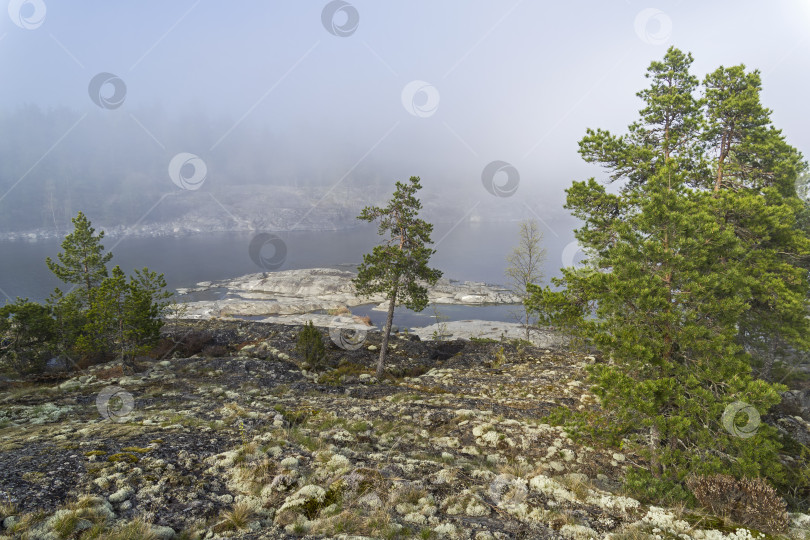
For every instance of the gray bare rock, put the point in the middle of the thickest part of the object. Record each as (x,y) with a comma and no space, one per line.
(296,292)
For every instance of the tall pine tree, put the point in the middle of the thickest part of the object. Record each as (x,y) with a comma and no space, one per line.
(700,233)
(398,268)
(83,261)
(105,314)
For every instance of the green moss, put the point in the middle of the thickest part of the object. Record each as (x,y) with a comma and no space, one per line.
(95,453)
(123,457)
(348,369)
(137,449)
(34,477)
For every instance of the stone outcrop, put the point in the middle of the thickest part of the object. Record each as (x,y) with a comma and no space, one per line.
(295,292)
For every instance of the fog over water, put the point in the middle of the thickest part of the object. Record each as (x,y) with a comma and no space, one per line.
(202,119)
(470,252)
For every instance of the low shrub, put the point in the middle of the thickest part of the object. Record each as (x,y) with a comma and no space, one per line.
(748,501)
(310,346)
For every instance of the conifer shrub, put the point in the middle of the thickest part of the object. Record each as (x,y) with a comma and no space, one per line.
(310,346)
(27,330)
(642,485)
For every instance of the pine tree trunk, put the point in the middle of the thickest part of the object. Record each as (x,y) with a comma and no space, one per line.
(527,326)
(767,367)
(655,438)
(384,345)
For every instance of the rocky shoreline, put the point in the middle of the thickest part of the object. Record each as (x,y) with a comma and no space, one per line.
(227,433)
(296,296)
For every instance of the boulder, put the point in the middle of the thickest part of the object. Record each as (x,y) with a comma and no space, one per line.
(445,350)
(796,403)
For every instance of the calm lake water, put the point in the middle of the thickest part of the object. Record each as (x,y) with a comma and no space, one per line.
(470,251)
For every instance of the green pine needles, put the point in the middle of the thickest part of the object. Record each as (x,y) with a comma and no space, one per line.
(697,268)
(310,346)
(103,315)
(398,268)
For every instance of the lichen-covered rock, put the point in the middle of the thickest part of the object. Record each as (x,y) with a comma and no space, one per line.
(466,503)
(578,532)
(163,533)
(446,530)
(121,495)
(551,489)
(243,444)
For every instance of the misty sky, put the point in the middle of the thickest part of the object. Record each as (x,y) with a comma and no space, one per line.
(512,81)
